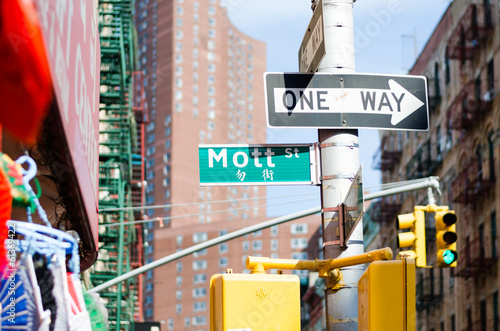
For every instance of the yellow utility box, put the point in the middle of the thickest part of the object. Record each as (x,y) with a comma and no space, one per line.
(386,296)
(254,302)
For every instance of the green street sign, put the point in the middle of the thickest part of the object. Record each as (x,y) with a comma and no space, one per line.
(224,165)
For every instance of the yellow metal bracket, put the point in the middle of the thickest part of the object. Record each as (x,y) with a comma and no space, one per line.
(327,269)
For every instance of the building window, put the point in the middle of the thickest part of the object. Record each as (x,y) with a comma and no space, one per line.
(257,233)
(178,281)
(298,243)
(199,237)
(484,320)
(199,292)
(274,231)
(178,266)
(446,67)
(178,308)
(299,255)
(149,287)
(256,245)
(245,246)
(223,262)
(496,324)
(437,90)
(491,155)
(201,252)
(493,222)
(490,80)
(178,294)
(199,264)
(274,244)
(187,321)
(298,229)
(223,248)
(199,320)
(199,306)
(199,278)
(170,323)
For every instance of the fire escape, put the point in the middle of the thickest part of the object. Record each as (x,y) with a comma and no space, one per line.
(477,257)
(425,160)
(469,106)
(471,32)
(466,41)
(138,187)
(429,289)
(120,164)
(469,186)
(387,157)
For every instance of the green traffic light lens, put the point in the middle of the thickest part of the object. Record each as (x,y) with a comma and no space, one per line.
(449,256)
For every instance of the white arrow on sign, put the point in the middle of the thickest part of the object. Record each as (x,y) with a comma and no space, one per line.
(395,101)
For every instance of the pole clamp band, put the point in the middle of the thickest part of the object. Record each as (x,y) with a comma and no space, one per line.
(339,176)
(350,144)
(331,243)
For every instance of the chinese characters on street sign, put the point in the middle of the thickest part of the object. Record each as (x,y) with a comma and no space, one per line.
(258,164)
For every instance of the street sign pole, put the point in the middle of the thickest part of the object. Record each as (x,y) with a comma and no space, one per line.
(339,164)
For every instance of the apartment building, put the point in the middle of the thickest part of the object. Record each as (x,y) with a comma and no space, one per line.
(461,61)
(203,85)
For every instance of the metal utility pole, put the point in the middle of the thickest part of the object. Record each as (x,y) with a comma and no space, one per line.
(339,164)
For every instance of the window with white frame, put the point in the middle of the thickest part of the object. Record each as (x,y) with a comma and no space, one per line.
(274,231)
(178,266)
(274,244)
(199,292)
(199,264)
(199,306)
(298,228)
(223,262)
(199,320)
(223,248)
(246,246)
(178,308)
(199,237)
(299,255)
(199,278)
(256,245)
(170,323)
(178,294)
(298,243)
(187,321)
(178,281)
(257,233)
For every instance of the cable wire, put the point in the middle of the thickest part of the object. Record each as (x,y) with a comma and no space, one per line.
(157,219)
(200,203)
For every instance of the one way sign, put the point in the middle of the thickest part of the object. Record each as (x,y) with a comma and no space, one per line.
(323,100)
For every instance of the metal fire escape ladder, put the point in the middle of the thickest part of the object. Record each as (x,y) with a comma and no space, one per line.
(116,133)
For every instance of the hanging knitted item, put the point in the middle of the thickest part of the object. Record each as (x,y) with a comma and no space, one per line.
(14,177)
(24,70)
(12,193)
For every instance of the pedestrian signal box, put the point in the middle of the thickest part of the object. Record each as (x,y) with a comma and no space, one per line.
(256,302)
(386,296)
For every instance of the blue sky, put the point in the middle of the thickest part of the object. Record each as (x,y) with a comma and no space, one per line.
(387,33)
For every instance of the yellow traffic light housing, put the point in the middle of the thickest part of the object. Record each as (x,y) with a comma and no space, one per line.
(415,237)
(386,296)
(446,237)
(254,302)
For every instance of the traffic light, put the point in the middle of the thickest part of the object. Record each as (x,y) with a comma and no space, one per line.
(415,237)
(446,237)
